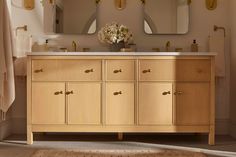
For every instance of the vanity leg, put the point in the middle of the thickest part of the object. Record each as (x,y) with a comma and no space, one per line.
(120,136)
(211,136)
(29,135)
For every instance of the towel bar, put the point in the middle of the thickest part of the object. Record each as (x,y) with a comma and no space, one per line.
(25,28)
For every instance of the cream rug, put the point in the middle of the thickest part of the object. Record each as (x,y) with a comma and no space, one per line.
(115,153)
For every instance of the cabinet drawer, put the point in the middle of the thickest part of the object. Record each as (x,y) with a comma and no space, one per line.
(120,69)
(120,104)
(179,70)
(66,70)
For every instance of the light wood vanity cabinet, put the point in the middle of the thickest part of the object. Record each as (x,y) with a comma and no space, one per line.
(121,94)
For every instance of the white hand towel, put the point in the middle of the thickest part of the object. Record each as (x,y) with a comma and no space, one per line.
(23,45)
(7,83)
(217,44)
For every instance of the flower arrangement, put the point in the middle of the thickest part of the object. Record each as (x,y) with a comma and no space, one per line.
(114,33)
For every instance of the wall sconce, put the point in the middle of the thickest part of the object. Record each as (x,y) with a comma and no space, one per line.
(29,4)
(120,4)
(211,4)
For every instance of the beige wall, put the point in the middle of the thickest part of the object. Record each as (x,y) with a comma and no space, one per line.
(201,26)
(233,68)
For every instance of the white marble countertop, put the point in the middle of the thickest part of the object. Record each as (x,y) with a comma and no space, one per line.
(121,54)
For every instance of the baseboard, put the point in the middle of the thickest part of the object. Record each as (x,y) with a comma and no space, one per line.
(5,129)
(18,126)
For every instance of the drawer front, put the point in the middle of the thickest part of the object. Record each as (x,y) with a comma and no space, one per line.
(45,70)
(175,70)
(120,104)
(66,70)
(120,70)
(82,70)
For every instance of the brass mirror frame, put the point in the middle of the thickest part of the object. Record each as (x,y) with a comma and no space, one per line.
(29,4)
(120,4)
(189,3)
(211,4)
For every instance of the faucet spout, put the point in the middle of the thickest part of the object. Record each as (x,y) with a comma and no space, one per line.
(167,46)
(74,46)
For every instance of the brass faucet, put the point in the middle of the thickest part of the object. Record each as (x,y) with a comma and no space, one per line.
(74,46)
(167,46)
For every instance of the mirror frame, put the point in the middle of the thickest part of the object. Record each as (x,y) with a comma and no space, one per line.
(97,2)
(143,7)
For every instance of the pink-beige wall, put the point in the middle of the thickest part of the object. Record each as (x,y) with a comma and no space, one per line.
(201,26)
(233,69)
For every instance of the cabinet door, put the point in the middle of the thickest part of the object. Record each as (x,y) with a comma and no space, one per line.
(120,104)
(48,103)
(84,103)
(155,104)
(192,103)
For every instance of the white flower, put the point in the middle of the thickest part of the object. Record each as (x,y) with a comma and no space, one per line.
(114,33)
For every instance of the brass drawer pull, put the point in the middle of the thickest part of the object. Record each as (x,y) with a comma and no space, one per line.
(166,93)
(38,71)
(70,92)
(58,93)
(117,71)
(147,71)
(117,93)
(179,93)
(89,71)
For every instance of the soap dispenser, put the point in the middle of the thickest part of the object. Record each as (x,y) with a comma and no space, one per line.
(194,46)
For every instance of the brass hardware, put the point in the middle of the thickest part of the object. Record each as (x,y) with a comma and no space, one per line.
(70,92)
(64,49)
(117,71)
(143,1)
(117,93)
(97,1)
(178,49)
(211,4)
(86,49)
(51,1)
(166,93)
(74,46)
(146,71)
(38,71)
(189,2)
(216,28)
(167,46)
(178,93)
(120,4)
(24,28)
(156,49)
(29,4)
(57,93)
(89,71)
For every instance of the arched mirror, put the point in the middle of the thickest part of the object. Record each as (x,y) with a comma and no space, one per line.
(70,16)
(166,16)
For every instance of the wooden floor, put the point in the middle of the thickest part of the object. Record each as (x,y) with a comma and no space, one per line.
(15,145)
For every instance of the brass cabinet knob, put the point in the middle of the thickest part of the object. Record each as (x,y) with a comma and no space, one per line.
(38,71)
(117,71)
(178,93)
(117,93)
(58,93)
(89,71)
(147,71)
(70,92)
(166,93)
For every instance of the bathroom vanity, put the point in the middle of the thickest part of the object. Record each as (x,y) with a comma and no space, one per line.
(121,92)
